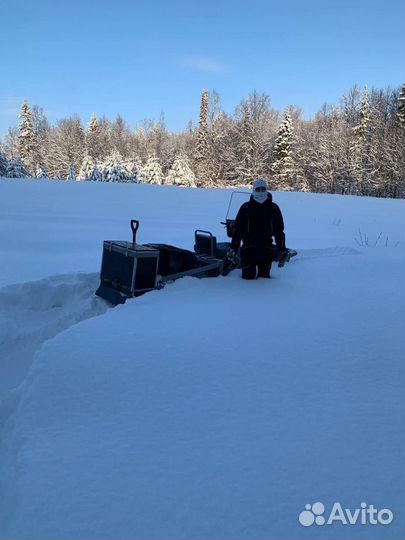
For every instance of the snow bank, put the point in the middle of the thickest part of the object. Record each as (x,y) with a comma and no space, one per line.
(216,407)
(33,312)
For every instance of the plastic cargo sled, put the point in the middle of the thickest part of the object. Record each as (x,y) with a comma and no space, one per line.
(129,269)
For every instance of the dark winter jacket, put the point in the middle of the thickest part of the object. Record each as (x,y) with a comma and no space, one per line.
(255,225)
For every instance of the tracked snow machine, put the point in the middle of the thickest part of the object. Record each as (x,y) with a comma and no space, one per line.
(129,269)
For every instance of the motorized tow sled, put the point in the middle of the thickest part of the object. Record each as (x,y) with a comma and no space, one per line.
(129,269)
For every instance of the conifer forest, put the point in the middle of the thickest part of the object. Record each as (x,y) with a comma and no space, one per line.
(356,146)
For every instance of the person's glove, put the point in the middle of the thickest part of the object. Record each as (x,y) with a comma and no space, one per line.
(233,256)
(282,256)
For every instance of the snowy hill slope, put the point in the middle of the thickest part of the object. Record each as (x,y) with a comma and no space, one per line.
(213,408)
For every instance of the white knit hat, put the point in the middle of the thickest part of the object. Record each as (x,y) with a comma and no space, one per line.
(260,182)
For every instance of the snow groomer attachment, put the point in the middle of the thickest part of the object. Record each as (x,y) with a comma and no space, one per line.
(129,269)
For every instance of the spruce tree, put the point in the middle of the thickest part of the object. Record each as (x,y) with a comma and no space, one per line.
(360,131)
(17,169)
(202,146)
(283,166)
(151,172)
(3,165)
(42,173)
(180,173)
(87,167)
(132,168)
(94,143)
(96,175)
(360,146)
(28,146)
(401,108)
(113,170)
(72,173)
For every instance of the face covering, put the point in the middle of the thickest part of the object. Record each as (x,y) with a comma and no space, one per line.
(260,196)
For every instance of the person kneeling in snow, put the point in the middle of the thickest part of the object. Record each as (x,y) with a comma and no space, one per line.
(257,221)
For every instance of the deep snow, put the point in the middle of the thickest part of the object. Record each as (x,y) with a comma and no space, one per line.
(213,408)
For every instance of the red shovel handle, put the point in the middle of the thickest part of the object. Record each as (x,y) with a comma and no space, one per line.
(134,228)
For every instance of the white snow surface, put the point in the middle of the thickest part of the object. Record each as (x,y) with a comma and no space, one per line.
(214,408)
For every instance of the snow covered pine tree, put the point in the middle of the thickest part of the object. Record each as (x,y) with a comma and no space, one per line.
(3,165)
(180,173)
(283,164)
(17,169)
(151,172)
(113,170)
(27,141)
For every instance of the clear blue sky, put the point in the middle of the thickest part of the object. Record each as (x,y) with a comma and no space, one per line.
(139,58)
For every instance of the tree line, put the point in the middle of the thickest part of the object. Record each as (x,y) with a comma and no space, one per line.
(354,147)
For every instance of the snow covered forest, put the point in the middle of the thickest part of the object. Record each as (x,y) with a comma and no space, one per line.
(355,147)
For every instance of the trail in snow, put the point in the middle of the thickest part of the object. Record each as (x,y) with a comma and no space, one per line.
(33,312)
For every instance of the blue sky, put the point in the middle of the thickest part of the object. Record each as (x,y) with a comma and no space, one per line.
(138,58)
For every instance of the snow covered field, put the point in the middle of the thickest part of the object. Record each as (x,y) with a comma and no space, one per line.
(213,408)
